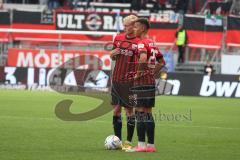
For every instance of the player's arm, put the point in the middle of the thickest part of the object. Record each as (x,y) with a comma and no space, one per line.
(160,66)
(142,62)
(114,53)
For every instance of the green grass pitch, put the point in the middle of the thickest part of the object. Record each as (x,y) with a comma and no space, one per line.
(30,130)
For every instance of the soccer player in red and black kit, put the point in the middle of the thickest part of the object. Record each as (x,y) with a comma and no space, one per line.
(124,54)
(149,62)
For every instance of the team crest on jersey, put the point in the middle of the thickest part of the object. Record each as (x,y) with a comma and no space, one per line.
(118,44)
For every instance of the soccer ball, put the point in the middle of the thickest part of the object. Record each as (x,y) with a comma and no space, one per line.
(112,142)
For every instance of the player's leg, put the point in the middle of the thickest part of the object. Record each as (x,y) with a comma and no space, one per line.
(149,122)
(145,121)
(140,117)
(127,102)
(130,123)
(150,129)
(141,129)
(141,147)
(117,119)
(142,95)
(130,128)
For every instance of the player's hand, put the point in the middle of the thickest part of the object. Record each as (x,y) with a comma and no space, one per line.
(132,76)
(114,53)
(138,75)
(157,70)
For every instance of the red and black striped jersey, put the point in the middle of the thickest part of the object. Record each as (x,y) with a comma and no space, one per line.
(153,57)
(125,61)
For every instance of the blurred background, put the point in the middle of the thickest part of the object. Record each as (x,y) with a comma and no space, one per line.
(197,37)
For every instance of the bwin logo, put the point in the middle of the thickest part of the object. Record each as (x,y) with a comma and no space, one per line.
(222,89)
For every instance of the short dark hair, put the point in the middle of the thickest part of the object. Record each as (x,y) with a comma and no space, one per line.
(144,21)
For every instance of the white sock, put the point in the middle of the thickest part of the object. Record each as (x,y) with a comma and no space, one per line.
(141,144)
(150,145)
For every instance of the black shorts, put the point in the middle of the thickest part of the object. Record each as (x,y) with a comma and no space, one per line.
(121,94)
(144,96)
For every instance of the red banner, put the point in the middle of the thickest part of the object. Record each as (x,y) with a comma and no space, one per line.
(232,38)
(53,58)
(204,32)
(163,27)
(199,39)
(233,31)
(4,37)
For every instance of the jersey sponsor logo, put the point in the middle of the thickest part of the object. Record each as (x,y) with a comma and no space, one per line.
(126,52)
(140,46)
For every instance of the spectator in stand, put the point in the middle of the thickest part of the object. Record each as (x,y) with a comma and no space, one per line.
(74,3)
(159,5)
(236,8)
(162,4)
(182,6)
(137,5)
(220,6)
(53,4)
(208,68)
(118,1)
(156,6)
(181,41)
(172,2)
